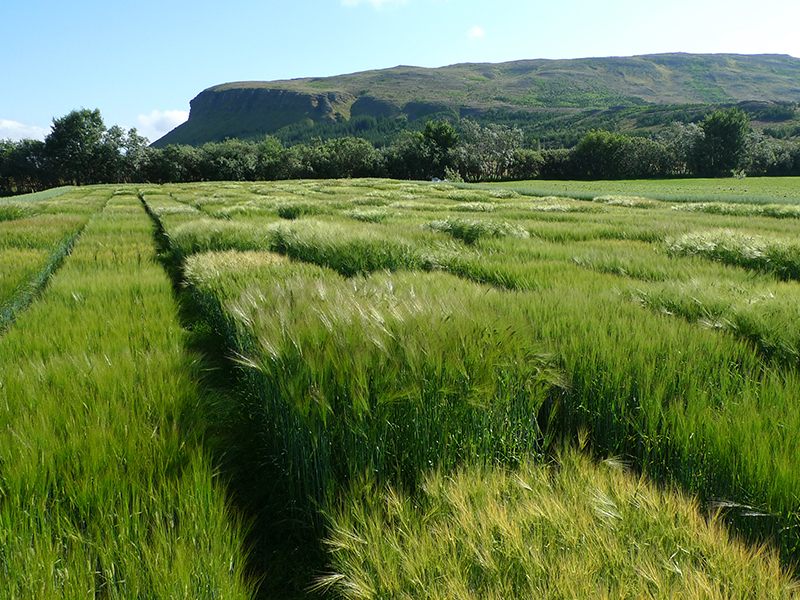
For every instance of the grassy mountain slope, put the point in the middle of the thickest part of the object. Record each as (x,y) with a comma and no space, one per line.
(540,90)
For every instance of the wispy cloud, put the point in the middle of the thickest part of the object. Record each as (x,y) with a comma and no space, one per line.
(375,3)
(476,33)
(19,131)
(157,123)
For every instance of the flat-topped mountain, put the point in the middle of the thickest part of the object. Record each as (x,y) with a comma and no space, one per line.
(253,109)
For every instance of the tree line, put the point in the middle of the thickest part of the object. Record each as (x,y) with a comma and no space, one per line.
(80,150)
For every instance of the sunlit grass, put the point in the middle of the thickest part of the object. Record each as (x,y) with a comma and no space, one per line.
(770,255)
(573,529)
(685,365)
(429,383)
(105,490)
(34,239)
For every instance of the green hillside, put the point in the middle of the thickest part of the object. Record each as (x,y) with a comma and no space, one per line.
(547,97)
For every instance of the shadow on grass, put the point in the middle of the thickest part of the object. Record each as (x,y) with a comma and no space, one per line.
(284,549)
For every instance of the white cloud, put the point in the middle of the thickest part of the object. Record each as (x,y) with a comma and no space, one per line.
(475,33)
(19,131)
(375,3)
(157,123)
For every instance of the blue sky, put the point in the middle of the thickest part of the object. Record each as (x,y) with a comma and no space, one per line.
(141,62)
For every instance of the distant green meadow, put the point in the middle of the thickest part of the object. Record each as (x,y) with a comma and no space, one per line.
(413,383)
(749,190)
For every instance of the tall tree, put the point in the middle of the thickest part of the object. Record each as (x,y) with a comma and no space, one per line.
(21,167)
(487,153)
(136,155)
(602,155)
(74,146)
(724,141)
(439,141)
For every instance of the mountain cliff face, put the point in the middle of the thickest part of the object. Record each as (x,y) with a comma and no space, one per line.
(253,109)
(247,112)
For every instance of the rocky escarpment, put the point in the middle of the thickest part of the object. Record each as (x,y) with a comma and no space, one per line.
(232,111)
(253,109)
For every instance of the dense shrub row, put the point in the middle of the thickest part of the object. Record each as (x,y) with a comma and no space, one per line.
(80,150)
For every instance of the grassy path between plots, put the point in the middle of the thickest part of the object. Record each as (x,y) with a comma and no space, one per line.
(105,489)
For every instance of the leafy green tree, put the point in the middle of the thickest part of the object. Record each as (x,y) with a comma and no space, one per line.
(487,153)
(440,135)
(108,156)
(602,155)
(341,157)
(406,158)
(647,158)
(557,164)
(74,147)
(173,164)
(724,143)
(231,160)
(438,144)
(22,167)
(527,164)
(136,155)
(769,156)
(6,147)
(683,145)
(275,161)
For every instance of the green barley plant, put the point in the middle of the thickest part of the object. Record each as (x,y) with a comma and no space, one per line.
(351,249)
(41,231)
(34,243)
(555,204)
(780,257)
(10,210)
(374,199)
(105,488)
(474,207)
(473,195)
(430,382)
(18,267)
(761,314)
(368,216)
(471,230)
(705,401)
(294,210)
(775,211)
(626,201)
(573,528)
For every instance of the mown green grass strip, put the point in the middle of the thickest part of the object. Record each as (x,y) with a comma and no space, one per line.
(105,489)
(44,194)
(756,190)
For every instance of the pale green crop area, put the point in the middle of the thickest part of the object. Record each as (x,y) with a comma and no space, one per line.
(755,190)
(417,377)
(105,489)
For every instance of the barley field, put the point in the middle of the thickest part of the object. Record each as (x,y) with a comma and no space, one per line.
(384,389)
